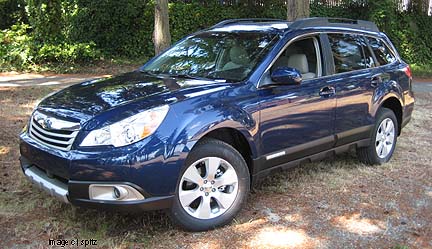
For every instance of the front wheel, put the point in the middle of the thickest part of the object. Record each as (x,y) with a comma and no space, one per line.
(383,140)
(212,187)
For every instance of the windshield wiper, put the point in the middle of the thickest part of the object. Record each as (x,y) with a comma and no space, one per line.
(156,73)
(161,73)
(187,76)
(153,73)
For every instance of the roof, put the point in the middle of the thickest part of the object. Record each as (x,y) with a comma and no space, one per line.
(279,25)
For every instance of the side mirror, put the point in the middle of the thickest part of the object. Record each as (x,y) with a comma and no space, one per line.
(286,76)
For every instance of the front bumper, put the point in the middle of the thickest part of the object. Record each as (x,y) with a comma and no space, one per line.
(152,203)
(150,166)
(55,180)
(60,190)
(53,186)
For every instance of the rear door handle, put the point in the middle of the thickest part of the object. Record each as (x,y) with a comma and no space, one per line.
(375,80)
(327,91)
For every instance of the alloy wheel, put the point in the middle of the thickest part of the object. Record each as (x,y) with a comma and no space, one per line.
(385,136)
(208,188)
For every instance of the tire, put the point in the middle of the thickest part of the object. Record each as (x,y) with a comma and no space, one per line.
(382,145)
(203,202)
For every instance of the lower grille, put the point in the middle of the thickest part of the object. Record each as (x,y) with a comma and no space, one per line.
(60,138)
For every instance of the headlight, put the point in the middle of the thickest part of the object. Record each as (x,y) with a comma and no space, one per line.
(129,130)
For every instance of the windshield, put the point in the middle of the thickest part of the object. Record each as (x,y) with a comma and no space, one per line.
(214,55)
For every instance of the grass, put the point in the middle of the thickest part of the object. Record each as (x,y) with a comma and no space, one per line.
(333,203)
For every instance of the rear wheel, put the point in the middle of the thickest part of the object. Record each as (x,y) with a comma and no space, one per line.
(212,187)
(383,140)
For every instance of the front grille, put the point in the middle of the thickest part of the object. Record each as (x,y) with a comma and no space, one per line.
(61,138)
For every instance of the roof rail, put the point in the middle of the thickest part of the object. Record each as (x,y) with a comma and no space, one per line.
(334,22)
(231,21)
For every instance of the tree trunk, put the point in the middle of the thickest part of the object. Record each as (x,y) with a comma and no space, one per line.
(297,9)
(161,35)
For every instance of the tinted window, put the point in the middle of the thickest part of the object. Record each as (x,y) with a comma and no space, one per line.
(215,55)
(368,57)
(348,52)
(301,55)
(382,52)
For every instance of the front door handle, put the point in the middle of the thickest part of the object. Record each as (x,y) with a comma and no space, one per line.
(327,91)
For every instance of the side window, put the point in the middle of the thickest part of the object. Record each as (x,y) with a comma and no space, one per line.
(381,51)
(350,53)
(304,55)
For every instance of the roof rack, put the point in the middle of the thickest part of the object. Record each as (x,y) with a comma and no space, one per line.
(231,21)
(334,22)
(309,23)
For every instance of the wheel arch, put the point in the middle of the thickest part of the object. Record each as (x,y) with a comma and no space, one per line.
(236,139)
(393,103)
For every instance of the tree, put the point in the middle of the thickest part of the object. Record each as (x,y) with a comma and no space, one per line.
(45,16)
(297,9)
(161,35)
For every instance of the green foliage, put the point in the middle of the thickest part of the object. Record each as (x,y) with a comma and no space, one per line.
(11,12)
(413,38)
(75,31)
(383,13)
(67,53)
(45,17)
(350,10)
(125,27)
(120,28)
(16,47)
(18,50)
(422,70)
(189,18)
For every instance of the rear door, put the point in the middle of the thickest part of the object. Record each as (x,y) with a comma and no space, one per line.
(355,79)
(387,63)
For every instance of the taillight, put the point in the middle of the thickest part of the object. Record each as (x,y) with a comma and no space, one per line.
(408,72)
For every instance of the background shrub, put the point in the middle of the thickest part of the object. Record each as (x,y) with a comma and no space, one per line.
(11,12)
(77,31)
(119,28)
(16,47)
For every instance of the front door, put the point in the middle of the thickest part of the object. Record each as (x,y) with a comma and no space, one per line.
(297,121)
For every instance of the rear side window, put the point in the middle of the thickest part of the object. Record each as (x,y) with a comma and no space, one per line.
(381,51)
(349,53)
(368,57)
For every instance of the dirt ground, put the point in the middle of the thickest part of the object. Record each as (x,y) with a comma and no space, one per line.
(336,203)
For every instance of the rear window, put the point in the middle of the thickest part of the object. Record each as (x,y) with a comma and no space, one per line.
(381,51)
(349,53)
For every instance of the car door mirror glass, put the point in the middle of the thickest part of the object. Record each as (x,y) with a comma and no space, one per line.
(286,76)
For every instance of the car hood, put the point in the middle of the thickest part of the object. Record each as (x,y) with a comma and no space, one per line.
(85,100)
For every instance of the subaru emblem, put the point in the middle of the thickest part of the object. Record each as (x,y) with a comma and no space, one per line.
(46,123)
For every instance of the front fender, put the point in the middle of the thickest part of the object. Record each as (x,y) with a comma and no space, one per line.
(194,126)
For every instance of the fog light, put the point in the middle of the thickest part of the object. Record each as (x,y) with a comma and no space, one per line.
(114,192)
(119,193)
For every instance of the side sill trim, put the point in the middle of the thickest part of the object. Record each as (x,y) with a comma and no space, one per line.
(277,154)
(312,158)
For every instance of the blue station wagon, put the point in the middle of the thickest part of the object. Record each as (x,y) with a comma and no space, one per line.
(196,126)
